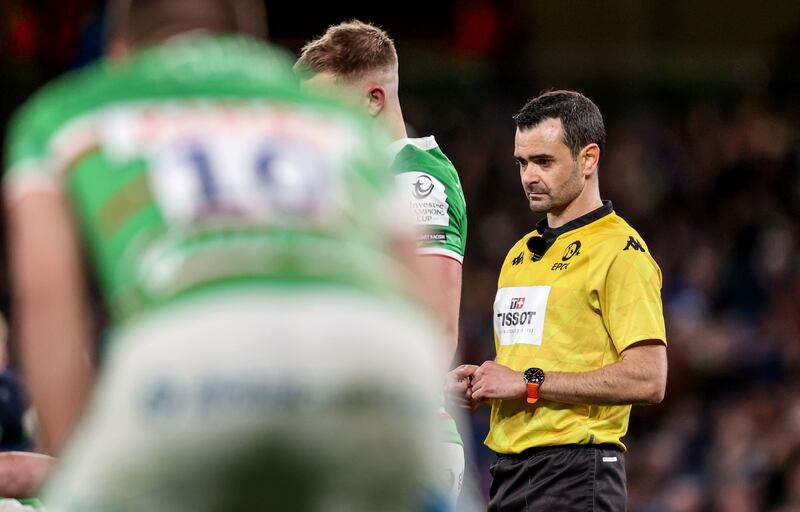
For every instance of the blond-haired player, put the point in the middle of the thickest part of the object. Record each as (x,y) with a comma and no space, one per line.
(360,59)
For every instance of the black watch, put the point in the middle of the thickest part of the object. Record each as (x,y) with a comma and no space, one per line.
(534,378)
(534,375)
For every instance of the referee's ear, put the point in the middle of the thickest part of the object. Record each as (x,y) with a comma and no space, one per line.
(589,159)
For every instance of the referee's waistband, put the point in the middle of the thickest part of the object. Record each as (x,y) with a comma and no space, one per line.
(536,450)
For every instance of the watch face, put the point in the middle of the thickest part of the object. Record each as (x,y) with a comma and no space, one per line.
(534,375)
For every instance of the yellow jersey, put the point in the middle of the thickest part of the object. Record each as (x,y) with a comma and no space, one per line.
(571,299)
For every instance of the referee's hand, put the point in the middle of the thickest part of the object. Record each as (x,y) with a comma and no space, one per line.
(493,380)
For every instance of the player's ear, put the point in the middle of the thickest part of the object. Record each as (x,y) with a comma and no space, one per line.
(589,158)
(117,48)
(376,99)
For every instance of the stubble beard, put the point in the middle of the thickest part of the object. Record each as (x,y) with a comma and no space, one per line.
(564,195)
(542,205)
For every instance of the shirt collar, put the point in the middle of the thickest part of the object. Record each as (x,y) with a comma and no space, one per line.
(549,235)
(581,221)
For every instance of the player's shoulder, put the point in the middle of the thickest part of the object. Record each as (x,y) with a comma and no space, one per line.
(51,107)
(63,92)
(197,65)
(422,154)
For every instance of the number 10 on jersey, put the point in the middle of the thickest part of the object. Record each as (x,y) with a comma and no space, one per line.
(231,179)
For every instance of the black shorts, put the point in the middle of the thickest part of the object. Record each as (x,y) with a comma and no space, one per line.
(570,478)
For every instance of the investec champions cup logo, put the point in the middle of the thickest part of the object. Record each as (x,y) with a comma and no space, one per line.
(423,187)
(427,198)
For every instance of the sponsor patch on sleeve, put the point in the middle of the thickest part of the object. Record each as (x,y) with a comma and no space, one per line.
(426,196)
(519,314)
(437,236)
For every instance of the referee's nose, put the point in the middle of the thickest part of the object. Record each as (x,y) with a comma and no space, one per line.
(530,175)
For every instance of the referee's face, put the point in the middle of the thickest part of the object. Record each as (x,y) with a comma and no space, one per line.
(550,176)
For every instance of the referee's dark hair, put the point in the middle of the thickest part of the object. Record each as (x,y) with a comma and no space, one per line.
(582,121)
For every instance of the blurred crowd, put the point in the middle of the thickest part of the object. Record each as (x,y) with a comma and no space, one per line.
(713,186)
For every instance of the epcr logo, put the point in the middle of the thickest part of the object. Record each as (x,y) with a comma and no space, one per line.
(422,187)
(573,249)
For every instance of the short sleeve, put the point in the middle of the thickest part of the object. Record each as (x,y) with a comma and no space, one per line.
(631,300)
(437,209)
(28,162)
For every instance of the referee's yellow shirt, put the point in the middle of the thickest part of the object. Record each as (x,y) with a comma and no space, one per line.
(595,291)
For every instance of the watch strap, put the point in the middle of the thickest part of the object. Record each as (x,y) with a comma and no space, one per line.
(533,392)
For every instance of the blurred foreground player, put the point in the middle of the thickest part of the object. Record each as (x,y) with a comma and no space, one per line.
(237,229)
(361,59)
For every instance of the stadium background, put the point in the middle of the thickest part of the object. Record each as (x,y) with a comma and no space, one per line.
(701,102)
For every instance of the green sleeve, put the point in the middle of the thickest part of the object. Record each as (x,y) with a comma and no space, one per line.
(433,191)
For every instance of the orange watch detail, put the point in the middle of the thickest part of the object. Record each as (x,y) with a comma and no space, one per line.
(533,392)
(534,377)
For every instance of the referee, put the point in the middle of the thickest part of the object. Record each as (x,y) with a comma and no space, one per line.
(578,326)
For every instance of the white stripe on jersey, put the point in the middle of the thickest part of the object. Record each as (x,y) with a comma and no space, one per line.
(439,251)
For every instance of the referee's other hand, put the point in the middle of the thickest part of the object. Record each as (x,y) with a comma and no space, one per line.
(493,380)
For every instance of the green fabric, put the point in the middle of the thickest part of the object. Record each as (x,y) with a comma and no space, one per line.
(168,206)
(431,185)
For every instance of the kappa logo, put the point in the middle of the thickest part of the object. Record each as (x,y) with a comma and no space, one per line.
(517,303)
(634,244)
(572,250)
(422,187)
(518,259)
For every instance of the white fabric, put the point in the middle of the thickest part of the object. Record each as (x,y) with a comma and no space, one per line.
(440,251)
(190,390)
(452,467)
(8,505)
(519,313)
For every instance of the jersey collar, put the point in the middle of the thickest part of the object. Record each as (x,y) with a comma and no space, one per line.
(423,143)
(538,244)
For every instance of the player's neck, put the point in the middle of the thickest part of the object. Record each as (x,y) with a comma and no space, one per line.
(393,120)
(588,201)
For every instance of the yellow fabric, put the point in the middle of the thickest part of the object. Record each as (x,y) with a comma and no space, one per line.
(596,291)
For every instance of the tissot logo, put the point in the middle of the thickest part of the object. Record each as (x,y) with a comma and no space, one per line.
(572,250)
(517,318)
(633,244)
(519,313)
(519,258)
(422,187)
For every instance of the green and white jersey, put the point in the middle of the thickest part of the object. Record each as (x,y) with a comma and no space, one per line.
(199,164)
(428,182)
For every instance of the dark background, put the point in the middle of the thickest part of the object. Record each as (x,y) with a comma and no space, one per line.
(701,102)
